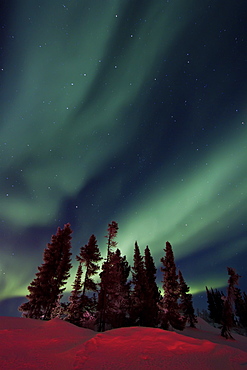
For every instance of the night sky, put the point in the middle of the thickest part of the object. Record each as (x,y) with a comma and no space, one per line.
(124,110)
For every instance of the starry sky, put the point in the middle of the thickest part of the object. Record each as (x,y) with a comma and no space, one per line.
(132,111)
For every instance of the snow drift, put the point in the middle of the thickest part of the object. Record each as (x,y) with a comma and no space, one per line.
(55,344)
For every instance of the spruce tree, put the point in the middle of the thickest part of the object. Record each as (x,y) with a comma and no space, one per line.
(74,309)
(241,308)
(112,233)
(215,304)
(117,297)
(90,257)
(152,294)
(169,305)
(186,305)
(228,309)
(47,288)
(244,317)
(139,281)
(104,275)
(211,303)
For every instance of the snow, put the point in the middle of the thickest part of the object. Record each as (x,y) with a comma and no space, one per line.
(56,344)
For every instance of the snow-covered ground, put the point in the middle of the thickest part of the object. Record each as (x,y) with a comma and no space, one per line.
(55,344)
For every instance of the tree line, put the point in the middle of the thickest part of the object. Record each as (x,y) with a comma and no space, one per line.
(124,296)
(228,311)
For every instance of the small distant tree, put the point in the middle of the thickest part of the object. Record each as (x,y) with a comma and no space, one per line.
(228,309)
(243,319)
(47,288)
(169,305)
(204,314)
(215,304)
(186,304)
(241,308)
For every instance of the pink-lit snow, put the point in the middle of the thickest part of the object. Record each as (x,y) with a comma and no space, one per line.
(56,344)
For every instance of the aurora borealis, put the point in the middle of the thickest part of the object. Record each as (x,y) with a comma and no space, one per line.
(128,111)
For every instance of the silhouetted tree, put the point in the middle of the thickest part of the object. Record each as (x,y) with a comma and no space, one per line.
(186,305)
(104,275)
(228,309)
(152,295)
(139,281)
(227,319)
(169,304)
(241,307)
(90,257)
(117,298)
(112,233)
(47,288)
(244,315)
(74,308)
(215,304)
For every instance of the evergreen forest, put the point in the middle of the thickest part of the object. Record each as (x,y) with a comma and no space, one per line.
(109,293)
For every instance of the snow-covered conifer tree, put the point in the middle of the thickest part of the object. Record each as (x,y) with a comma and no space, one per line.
(111,235)
(186,305)
(169,304)
(74,308)
(89,258)
(139,282)
(104,275)
(48,286)
(152,294)
(215,304)
(241,308)
(228,309)
(117,297)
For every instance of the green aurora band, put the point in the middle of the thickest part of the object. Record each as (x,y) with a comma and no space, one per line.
(75,106)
